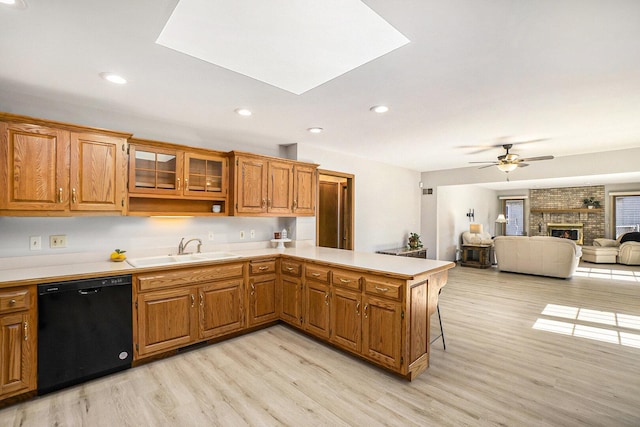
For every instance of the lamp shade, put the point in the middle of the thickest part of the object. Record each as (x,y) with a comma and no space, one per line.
(501,219)
(475,228)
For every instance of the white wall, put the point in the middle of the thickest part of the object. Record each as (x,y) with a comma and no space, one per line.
(387,198)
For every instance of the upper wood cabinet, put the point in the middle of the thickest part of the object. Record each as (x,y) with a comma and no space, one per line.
(266,186)
(45,166)
(171,179)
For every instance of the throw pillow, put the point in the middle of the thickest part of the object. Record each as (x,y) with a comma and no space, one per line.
(634,236)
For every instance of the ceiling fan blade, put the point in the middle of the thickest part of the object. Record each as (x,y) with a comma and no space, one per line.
(523,165)
(493,163)
(487,166)
(531,159)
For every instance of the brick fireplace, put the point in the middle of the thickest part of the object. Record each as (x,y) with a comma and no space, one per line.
(551,208)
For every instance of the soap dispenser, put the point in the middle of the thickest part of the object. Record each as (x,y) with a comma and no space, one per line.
(283,234)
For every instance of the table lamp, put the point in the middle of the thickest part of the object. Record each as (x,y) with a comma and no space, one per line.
(475,229)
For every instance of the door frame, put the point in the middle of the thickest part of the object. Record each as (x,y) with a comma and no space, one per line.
(349,206)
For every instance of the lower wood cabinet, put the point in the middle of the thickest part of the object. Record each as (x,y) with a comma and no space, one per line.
(190,306)
(381,331)
(263,306)
(18,327)
(346,321)
(290,290)
(317,308)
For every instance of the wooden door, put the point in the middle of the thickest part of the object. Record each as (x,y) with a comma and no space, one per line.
(221,308)
(17,354)
(155,170)
(262,299)
(346,321)
(205,176)
(317,312)
(329,215)
(280,188)
(251,185)
(166,320)
(97,172)
(304,190)
(290,300)
(34,167)
(381,331)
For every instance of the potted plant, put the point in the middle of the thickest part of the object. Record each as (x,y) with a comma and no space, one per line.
(591,203)
(414,241)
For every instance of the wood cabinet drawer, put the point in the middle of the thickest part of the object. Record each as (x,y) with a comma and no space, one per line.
(262,267)
(383,287)
(346,279)
(319,274)
(14,301)
(189,276)
(292,268)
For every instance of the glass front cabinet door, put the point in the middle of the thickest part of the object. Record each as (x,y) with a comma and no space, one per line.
(155,170)
(205,176)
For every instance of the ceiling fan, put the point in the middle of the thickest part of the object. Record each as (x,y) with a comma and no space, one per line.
(508,162)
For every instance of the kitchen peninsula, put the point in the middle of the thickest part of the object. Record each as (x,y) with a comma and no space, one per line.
(373,306)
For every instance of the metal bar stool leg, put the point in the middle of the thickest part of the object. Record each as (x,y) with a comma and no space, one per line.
(444,344)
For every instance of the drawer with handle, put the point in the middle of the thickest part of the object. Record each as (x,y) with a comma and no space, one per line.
(317,273)
(291,268)
(262,267)
(383,287)
(346,279)
(14,301)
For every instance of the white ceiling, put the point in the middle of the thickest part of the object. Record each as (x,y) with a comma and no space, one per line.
(474,73)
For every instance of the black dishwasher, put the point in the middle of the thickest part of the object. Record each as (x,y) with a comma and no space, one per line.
(84,330)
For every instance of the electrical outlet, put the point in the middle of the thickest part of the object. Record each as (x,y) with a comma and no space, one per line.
(252,234)
(241,234)
(211,235)
(58,241)
(35,243)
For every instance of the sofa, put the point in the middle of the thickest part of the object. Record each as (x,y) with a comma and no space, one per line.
(539,255)
(624,250)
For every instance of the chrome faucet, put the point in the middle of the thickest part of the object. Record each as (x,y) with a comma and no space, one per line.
(182,246)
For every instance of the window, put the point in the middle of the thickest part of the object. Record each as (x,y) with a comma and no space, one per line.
(626,214)
(514,212)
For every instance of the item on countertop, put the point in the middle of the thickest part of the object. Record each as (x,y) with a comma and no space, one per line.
(276,235)
(283,233)
(118,255)
(216,208)
(414,241)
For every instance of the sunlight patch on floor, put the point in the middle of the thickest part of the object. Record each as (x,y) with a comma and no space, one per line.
(608,273)
(578,329)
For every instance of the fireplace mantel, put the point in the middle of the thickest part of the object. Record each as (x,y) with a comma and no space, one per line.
(566,210)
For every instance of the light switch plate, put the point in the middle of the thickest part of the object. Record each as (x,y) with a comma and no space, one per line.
(35,243)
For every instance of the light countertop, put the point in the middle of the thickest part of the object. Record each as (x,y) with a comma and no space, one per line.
(400,266)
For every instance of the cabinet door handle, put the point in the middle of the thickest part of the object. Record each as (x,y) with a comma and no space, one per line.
(201,300)
(12,302)
(295,204)
(326,298)
(381,289)
(193,301)
(186,183)
(60,195)
(358,309)
(179,186)
(289,269)
(26,331)
(345,280)
(74,196)
(263,268)
(269,203)
(253,289)
(264,203)
(366,307)
(315,274)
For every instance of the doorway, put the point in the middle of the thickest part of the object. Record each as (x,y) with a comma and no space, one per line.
(334,225)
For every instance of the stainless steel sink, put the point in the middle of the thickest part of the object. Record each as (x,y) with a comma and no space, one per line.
(155,261)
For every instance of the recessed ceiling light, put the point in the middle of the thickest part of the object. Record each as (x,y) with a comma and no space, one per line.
(113,78)
(315,130)
(379,109)
(243,111)
(17,4)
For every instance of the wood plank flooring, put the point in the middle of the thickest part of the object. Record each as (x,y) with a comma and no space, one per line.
(497,370)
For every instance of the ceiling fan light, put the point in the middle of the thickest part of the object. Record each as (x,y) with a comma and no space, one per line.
(507,167)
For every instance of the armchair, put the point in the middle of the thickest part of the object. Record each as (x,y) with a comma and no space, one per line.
(627,245)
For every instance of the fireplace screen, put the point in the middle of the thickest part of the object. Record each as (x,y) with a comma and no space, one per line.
(566,231)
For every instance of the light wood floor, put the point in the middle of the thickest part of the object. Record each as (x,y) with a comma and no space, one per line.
(497,370)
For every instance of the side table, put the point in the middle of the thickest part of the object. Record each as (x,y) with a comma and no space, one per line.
(477,256)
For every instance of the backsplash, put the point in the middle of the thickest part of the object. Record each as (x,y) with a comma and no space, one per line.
(567,198)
